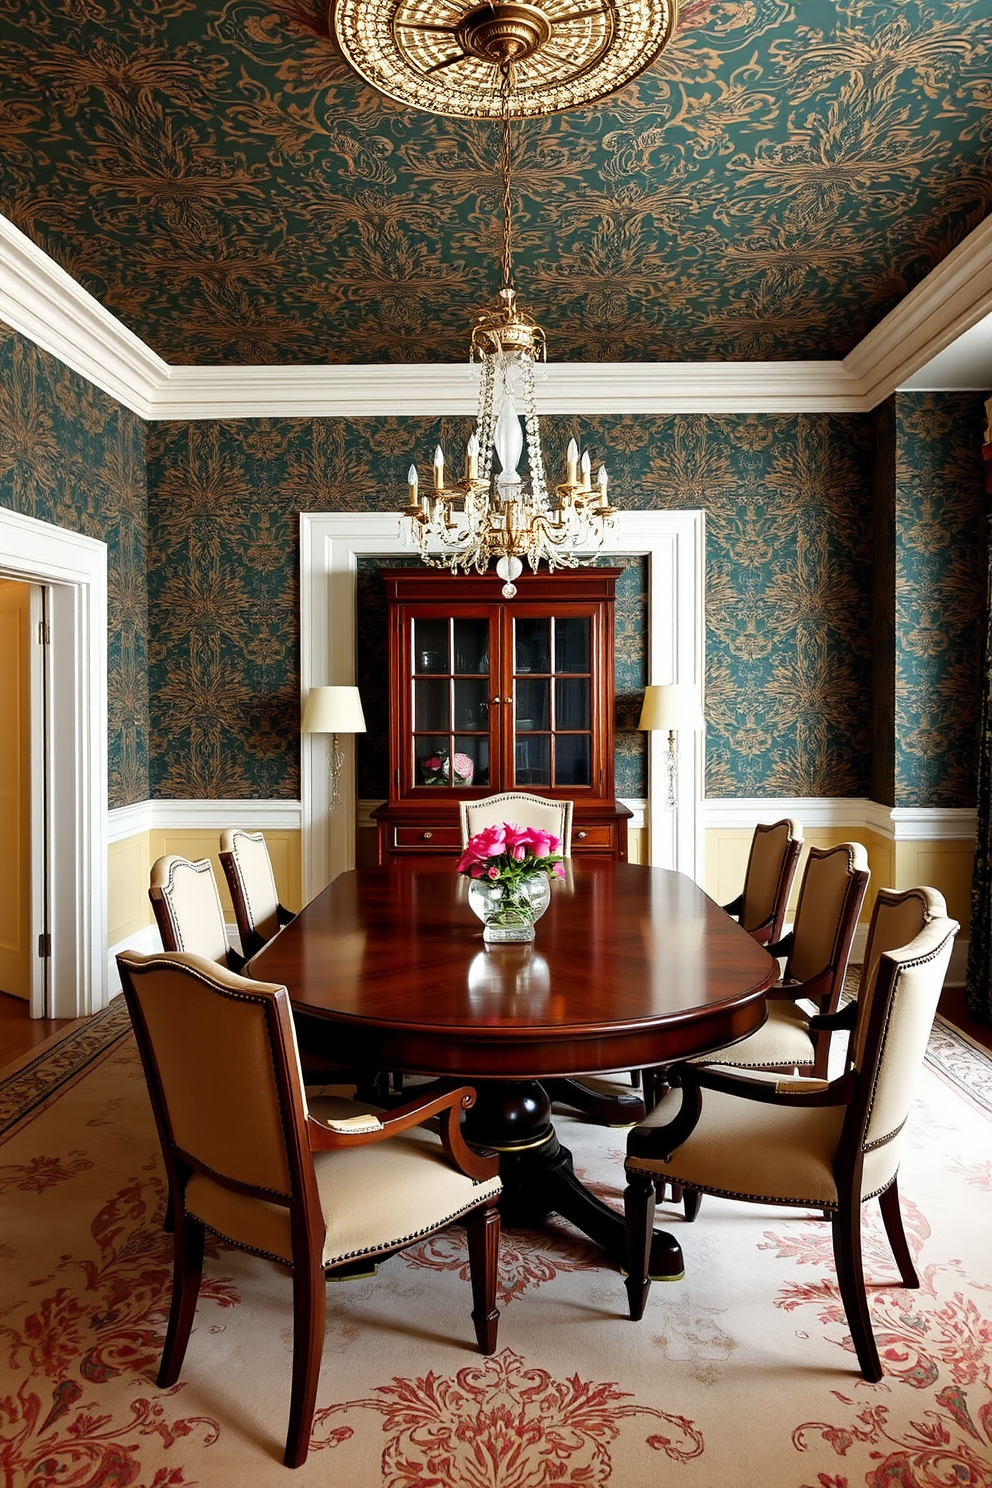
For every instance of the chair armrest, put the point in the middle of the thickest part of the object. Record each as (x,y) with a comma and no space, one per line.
(845,1017)
(735,907)
(773,1093)
(661,1142)
(284,916)
(781,947)
(448,1106)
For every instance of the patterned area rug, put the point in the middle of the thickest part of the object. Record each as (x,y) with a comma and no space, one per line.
(742,1374)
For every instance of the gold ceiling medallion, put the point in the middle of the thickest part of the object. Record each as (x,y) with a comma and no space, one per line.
(500,60)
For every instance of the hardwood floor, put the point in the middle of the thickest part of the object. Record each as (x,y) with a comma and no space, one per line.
(19,1033)
(951,1007)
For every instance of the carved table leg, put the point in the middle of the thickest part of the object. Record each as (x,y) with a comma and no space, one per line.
(513,1118)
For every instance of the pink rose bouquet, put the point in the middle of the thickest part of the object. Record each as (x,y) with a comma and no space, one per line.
(507,852)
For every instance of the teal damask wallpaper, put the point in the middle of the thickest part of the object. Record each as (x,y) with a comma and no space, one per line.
(203,629)
(788,503)
(69,454)
(940,524)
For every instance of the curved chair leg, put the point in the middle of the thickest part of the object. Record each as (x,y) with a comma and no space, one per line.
(846,1225)
(691,1198)
(638,1209)
(187,1269)
(888,1202)
(483,1229)
(309,1319)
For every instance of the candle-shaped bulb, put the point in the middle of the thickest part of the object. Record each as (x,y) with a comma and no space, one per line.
(571,462)
(602,480)
(586,467)
(439,469)
(472,458)
(411,480)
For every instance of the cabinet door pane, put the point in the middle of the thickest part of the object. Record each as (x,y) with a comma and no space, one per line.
(572,644)
(431,705)
(533,710)
(533,760)
(472,646)
(430,759)
(532,645)
(471,704)
(430,646)
(471,759)
(572,703)
(572,759)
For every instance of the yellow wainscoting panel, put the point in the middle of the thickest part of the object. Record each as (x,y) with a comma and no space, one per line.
(945,865)
(636,843)
(284,851)
(128,866)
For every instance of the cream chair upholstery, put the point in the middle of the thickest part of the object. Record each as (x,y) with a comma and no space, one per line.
(316,1187)
(523,811)
(803,1142)
(244,858)
(771,867)
(187,909)
(817,949)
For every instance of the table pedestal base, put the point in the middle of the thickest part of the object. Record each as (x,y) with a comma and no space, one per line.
(513,1118)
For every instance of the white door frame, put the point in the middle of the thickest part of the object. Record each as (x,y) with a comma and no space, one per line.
(73,569)
(330,546)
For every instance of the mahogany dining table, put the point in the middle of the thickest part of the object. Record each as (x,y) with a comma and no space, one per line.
(631,967)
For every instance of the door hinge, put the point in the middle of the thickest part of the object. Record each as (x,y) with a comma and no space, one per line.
(44,945)
(44,634)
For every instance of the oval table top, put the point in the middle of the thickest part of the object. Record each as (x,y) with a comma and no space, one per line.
(631,966)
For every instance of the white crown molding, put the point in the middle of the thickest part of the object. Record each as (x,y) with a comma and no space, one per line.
(205,816)
(900,823)
(952,298)
(42,302)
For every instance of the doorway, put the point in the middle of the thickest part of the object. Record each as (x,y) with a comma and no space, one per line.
(24,933)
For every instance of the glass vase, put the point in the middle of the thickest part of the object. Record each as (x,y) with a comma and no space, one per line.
(508,907)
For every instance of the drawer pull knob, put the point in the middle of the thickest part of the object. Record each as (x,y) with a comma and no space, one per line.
(428,836)
(580,835)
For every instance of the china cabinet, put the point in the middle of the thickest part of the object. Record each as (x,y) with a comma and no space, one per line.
(488,695)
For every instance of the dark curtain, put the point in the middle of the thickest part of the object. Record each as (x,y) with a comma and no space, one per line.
(978,980)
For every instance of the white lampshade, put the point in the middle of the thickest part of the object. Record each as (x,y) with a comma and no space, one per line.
(333,710)
(673,705)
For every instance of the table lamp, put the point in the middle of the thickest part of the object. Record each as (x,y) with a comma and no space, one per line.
(672,706)
(334,710)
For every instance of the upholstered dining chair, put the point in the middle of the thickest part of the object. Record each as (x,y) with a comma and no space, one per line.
(521,809)
(771,867)
(315,1187)
(800,1142)
(188,911)
(244,858)
(817,951)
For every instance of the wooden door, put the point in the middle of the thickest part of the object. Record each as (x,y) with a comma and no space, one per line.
(17,953)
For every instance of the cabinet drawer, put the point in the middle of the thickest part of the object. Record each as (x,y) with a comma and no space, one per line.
(584,838)
(427,837)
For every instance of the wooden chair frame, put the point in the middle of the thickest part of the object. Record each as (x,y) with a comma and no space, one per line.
(854,1090)
(303,1136)
(252,941)
(770,929)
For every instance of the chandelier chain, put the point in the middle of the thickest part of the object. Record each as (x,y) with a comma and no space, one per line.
(506,166)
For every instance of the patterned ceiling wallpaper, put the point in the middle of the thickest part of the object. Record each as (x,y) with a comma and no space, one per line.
(71,455)
(781,177)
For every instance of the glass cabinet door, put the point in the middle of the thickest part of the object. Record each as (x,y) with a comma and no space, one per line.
(552,700)
(450,664)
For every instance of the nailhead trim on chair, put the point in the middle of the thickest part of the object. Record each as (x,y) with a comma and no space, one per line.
(351,1255)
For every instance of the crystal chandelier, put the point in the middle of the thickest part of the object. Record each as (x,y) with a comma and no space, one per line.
(498,513)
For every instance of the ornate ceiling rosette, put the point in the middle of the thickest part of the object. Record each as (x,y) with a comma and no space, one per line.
(501,59)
